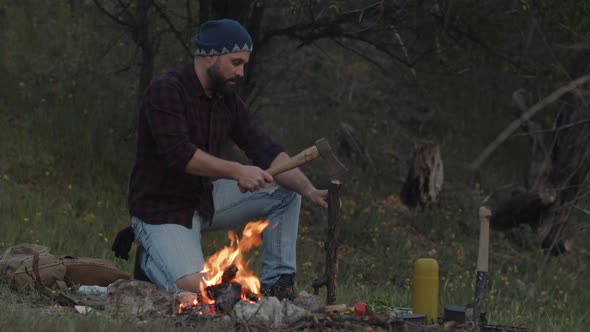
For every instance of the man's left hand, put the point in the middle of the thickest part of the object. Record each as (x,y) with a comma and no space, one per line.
(319,197)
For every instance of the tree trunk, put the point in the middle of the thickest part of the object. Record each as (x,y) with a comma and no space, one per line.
(204,11)
(425,178)
(143,39)
(565,160)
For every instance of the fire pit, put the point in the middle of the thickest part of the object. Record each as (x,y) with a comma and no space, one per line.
(228,279)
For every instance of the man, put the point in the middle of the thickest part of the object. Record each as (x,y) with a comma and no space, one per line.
(185,117)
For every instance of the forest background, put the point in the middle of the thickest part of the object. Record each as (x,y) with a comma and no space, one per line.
(381,74)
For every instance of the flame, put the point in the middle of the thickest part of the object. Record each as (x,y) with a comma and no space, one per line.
(232,254)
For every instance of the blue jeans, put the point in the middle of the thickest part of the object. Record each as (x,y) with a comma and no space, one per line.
(169,252)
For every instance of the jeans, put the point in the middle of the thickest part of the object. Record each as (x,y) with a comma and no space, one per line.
(169,252)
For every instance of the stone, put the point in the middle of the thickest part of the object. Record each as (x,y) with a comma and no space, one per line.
(307,301)
(137,298)
(269,312)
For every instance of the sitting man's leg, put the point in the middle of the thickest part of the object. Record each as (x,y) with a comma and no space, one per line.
(171,255)
(281,207)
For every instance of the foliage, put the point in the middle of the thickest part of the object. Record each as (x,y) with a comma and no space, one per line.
(68,91)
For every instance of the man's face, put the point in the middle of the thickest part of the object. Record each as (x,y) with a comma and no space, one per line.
(226,69)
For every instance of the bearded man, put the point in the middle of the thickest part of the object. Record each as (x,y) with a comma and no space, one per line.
(180,187)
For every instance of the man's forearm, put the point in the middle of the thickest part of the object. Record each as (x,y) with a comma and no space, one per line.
(204,164)
(294,179)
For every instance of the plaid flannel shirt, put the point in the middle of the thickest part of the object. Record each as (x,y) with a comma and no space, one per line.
(176,118)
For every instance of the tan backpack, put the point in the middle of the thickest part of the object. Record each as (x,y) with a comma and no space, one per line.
(16,267)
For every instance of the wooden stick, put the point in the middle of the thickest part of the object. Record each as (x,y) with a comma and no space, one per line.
(525,117)
(328,278)
(331,245)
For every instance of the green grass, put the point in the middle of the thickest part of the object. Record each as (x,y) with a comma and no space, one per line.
(79,215)
(65,159)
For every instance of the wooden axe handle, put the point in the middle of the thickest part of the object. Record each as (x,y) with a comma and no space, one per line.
(484,238)
(295,161)
(301,158)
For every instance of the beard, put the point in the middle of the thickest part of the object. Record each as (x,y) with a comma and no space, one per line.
(218,81)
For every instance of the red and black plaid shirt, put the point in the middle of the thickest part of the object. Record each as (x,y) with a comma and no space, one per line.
(176,118)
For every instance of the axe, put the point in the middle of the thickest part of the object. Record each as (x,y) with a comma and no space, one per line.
(321,148)
(473,314)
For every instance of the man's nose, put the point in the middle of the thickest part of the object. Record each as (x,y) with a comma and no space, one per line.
(240,71)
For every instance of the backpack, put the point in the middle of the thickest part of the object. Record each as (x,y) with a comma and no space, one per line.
(16,267)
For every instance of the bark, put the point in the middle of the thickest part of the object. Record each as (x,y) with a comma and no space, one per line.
(328,279)
(424,182)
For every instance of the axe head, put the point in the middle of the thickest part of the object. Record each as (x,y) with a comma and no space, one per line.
(333,166)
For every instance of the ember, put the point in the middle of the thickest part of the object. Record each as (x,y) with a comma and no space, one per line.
(228,278)
(190,303)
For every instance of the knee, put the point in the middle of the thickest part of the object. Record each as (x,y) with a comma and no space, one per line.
(190,283)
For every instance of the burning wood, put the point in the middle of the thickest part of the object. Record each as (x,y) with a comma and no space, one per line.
(228,279)
(226,294)
(229,274)
(228,266)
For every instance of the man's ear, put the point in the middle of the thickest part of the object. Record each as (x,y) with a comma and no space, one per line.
(211,58)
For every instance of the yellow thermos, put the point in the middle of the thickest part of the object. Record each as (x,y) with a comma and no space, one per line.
(425,298)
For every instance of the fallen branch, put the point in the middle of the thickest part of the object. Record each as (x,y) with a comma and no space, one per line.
(525,117)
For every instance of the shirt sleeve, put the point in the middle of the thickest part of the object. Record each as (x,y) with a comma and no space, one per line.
(165,113)
(257,145)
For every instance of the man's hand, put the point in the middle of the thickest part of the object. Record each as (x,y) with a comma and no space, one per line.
(319,197)
(252,178)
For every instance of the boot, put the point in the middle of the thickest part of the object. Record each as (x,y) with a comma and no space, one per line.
(283,289)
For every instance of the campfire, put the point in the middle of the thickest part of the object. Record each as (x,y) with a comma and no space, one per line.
(228,279)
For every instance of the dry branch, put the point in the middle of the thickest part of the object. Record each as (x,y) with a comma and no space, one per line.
(525,117)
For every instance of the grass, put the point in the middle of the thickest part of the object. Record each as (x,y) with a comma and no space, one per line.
(64,166)
(381,239)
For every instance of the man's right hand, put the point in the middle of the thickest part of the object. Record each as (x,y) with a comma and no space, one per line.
(252,178)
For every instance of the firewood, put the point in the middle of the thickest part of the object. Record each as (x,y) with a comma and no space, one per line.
(229,274)
(251,296)
(225,295)
(334,308)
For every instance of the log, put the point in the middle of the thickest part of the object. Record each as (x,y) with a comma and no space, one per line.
(523,208)
(331,245)
(225,295)
(229,274)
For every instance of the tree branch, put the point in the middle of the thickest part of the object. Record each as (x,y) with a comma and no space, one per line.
(525,117)
(176,32)
(111,15)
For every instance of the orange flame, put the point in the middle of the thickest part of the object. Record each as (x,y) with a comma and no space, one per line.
(232,254)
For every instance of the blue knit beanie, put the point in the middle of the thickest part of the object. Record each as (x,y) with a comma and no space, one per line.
(222,36)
